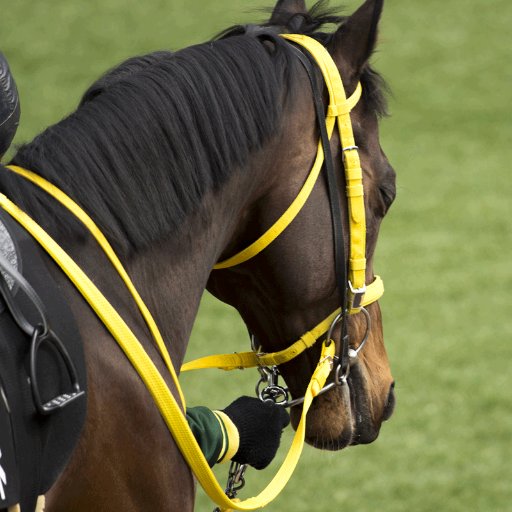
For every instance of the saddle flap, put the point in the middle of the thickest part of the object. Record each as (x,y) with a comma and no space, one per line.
(36,442)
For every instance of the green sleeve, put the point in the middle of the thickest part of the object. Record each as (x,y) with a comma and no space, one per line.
(208,432)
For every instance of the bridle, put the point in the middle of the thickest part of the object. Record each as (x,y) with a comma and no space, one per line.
(355,294)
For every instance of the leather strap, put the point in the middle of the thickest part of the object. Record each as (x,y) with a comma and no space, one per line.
(340,265)
(293,210)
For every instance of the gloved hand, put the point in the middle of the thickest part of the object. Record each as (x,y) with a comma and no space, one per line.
(259,426)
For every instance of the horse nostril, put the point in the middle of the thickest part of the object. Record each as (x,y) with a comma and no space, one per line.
(390,403)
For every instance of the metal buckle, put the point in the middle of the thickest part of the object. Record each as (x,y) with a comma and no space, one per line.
(272,391)
(341,362)
(356,297)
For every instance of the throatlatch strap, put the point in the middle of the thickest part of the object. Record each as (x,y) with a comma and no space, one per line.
(286,219)
(339,108)
(294,209)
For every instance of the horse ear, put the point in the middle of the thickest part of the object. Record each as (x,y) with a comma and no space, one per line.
(285,9)
(354,42)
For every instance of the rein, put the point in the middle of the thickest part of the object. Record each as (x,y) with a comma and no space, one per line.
(358,295)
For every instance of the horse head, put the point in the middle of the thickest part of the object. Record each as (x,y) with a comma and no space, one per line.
(183,160)
(291,285)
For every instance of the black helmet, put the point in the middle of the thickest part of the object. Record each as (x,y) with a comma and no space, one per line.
(9,106)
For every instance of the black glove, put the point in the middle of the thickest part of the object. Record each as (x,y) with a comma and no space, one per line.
(259,425)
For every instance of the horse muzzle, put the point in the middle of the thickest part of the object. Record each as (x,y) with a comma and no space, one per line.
(347,415)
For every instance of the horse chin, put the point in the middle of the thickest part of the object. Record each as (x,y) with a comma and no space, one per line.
(346,416)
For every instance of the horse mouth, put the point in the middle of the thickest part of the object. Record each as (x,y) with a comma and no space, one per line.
(347,415)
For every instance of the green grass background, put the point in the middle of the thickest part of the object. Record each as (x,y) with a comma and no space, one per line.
(444,250)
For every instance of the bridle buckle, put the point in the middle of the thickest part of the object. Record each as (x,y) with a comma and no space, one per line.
(355,297)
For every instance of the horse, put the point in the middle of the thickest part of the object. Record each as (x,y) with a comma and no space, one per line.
(183,159)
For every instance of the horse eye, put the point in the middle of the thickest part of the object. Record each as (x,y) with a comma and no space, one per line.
(388,193)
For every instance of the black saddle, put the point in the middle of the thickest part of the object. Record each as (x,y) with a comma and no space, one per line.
(42,372)
(9,106)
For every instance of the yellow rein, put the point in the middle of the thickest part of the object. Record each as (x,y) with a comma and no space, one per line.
(169,407)
(163,397)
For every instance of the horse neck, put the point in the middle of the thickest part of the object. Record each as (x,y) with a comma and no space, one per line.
(171,279)
(171,276)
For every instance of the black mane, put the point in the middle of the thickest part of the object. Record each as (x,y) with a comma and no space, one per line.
(155,134)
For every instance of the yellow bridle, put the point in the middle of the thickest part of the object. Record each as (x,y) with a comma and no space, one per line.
(170,409)
(360,294)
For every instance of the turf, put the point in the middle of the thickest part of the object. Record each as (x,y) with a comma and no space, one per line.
(444,250)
